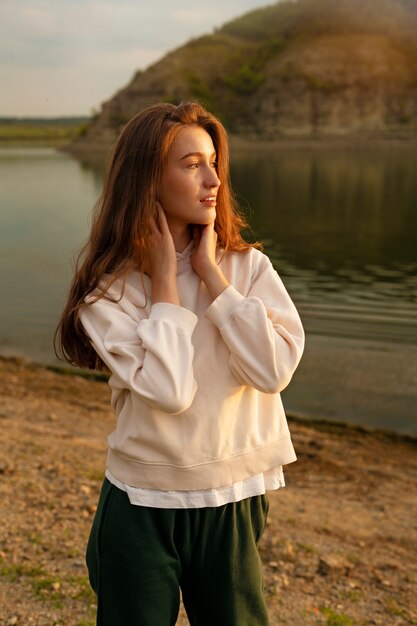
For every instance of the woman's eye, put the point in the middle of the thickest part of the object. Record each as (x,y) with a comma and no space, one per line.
(197,165)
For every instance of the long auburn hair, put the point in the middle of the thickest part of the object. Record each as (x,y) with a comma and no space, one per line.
(121,226)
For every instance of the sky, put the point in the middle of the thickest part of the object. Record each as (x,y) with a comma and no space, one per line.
(65,57)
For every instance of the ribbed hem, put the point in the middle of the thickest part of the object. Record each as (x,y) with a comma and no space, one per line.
(212,475)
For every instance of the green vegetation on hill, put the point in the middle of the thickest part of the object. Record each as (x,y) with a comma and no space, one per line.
(299,68)
(300,18)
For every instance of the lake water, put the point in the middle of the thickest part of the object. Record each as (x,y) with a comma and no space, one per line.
(339,225)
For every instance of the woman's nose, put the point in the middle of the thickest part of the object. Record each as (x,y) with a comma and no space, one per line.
(212,180)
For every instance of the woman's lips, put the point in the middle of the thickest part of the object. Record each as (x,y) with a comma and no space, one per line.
(209,201)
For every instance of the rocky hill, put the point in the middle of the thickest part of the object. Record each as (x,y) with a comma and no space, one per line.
(303,68)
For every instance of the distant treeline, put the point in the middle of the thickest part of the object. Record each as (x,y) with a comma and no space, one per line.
(61,121)
(41,131)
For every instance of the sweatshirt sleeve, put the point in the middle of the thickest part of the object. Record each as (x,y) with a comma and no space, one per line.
(153,357)
(263,330)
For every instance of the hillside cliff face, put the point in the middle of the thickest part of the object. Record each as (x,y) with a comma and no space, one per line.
(306,68)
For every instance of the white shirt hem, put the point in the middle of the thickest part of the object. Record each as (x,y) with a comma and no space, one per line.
(253,486)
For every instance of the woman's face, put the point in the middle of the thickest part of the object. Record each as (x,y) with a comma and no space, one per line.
(189,183)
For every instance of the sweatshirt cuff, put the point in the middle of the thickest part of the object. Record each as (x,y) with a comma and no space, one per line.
(178,315)
(221,309)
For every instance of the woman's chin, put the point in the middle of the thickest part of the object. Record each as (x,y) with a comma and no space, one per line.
(207,218)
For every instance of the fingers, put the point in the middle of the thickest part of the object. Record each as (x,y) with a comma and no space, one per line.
(157,217)
(161,215)
(162,257)
(154,227)
(208,234)
(196,235)
(159,224)
(205,244)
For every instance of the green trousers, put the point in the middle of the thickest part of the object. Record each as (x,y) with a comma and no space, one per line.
(139,558)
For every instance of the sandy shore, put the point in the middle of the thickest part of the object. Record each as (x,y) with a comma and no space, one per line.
(339,549)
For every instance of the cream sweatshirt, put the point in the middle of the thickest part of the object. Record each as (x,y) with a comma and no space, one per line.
(196,388)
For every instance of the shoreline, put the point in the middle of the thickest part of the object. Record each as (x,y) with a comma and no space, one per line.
(292,415)
(99,151)
(327,142)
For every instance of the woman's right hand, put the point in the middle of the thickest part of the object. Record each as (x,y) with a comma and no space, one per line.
(162,262)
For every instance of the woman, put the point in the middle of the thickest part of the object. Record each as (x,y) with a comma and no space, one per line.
(200,336)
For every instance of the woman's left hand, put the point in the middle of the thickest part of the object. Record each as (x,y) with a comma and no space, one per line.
(203,259)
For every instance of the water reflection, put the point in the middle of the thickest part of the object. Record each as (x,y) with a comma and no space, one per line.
(332,210)
(341,227)
(45,204)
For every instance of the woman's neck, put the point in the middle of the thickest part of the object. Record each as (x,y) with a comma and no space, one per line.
(181,236)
